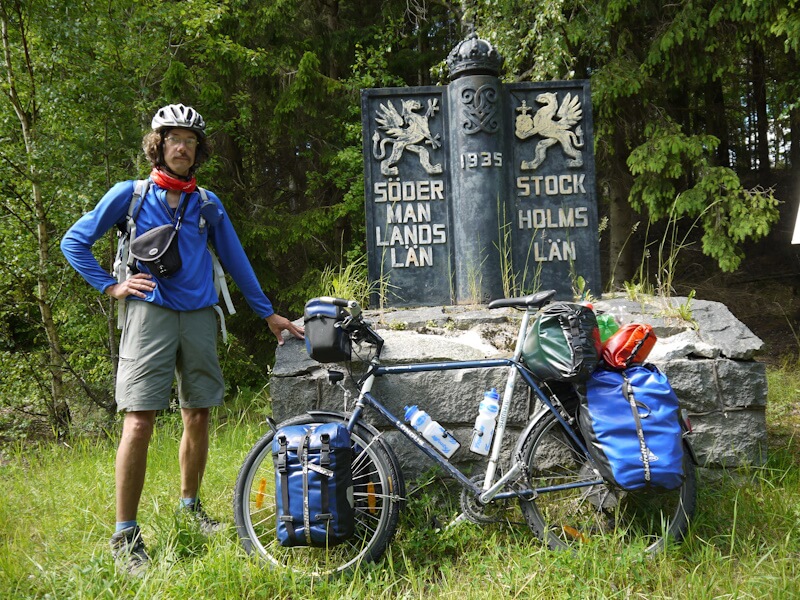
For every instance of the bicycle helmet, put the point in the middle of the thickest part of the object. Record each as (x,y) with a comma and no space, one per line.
(178,115)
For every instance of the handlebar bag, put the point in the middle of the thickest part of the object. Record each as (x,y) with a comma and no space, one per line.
(631,423)
(630,345)
(563,344)
(325,340)
(313,484)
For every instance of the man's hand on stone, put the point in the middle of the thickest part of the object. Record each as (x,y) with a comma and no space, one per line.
(278,324)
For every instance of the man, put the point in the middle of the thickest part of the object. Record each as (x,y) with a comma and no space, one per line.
(170,325)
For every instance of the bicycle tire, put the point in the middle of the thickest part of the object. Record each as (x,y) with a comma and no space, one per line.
(564,519)
(378,489)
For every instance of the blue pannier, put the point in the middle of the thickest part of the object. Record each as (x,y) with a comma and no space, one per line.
(632,426)
(313,484)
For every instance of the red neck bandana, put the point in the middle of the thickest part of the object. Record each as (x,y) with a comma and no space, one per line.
(168,182)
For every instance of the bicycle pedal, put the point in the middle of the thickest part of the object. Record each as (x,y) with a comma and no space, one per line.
(457,521)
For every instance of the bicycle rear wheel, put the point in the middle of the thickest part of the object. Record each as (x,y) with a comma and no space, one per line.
(377,491)
(567,517)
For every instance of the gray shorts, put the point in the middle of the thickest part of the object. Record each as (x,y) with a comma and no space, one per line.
(160,343)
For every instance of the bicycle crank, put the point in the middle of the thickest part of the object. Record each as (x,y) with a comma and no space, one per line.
(479,513)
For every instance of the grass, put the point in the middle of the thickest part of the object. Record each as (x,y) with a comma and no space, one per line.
(349,280)
(56,514)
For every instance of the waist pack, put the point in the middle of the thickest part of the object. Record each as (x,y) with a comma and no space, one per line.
(630,345)
(563,343)
(313,484)
(631,423)
(158,250)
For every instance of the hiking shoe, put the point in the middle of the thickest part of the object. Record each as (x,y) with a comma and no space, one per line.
(129,552)
(207,525)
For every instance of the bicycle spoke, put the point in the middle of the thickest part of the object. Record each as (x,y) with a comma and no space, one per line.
(567,516)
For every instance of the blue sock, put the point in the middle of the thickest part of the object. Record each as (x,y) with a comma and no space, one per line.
(188,502)
(124,525)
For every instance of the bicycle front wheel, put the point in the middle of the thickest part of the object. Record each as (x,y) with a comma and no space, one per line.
(377,491)
(571,515)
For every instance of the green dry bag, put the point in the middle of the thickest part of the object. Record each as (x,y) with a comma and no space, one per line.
(608,326)
(563,344)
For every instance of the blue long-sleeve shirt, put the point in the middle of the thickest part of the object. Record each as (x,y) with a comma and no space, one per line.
(192,287)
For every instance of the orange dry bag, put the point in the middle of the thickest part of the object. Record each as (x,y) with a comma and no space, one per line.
(630,345)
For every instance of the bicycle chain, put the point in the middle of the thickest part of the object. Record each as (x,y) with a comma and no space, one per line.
(472,507)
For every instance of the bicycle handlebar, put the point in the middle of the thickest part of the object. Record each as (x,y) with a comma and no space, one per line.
(350,305)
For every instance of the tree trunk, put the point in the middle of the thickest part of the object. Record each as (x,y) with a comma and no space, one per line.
(794,151)
(111,303)
(760,102)
(57,407)
(330,11)
(717,123)
(620,216)
(111,322)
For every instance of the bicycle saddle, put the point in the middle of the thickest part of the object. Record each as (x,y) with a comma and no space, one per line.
(536,300)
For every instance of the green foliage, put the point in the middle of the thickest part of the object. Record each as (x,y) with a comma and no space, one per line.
(786,24)
(349,281)
(672,84)
(530,36)
(685,309)
(580,291)
(675,177)
(56,137)
(675,115)
(637,290)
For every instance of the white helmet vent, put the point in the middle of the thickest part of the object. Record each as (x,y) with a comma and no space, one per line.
(178,115)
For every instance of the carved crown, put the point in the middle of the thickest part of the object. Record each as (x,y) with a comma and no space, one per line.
(474,56)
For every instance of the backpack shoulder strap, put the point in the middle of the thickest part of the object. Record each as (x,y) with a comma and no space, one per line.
(203,200)
(139,190)
(124,261)
(220,283)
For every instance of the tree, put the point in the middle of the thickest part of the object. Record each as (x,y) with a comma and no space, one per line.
(64,142)
(29,210)
(665,92)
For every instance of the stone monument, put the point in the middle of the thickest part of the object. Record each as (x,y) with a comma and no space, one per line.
(479,189)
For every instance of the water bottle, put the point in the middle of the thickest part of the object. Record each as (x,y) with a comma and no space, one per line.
(484,423)
(437,435)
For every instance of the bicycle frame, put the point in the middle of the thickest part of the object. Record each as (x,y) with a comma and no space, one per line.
(562,496)
(491,488)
